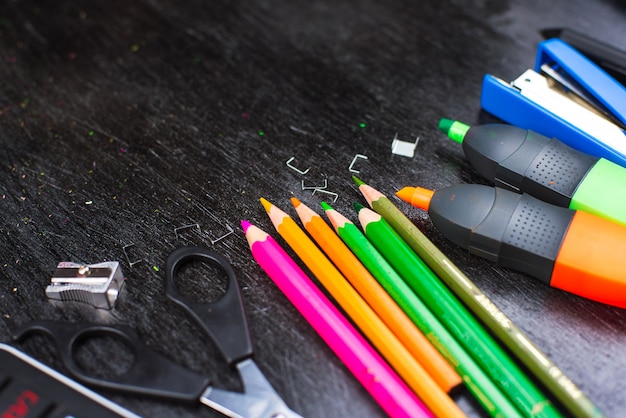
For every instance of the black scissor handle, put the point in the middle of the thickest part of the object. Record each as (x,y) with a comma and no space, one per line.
(224,320)
(150,374)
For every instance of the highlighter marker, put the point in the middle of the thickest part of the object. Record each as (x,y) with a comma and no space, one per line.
(571,250)
(526,162)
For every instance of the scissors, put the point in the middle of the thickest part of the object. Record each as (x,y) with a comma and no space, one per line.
(224,320)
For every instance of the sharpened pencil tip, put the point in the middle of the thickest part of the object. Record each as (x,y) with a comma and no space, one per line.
(357,181)
(358,207)
(326,206)
(295,202)
(245,225)
(266,205)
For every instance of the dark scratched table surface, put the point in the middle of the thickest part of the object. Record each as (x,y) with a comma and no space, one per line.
(130,128)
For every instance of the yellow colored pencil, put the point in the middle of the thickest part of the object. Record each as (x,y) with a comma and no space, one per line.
(375,295)
(362,314)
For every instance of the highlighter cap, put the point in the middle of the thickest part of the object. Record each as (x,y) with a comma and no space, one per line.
(458,210)
(524,161)
(488,146)
(514,230)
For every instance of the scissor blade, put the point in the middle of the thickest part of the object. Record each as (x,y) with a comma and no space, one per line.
(259,399)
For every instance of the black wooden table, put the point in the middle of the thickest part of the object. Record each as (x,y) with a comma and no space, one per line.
(130,128)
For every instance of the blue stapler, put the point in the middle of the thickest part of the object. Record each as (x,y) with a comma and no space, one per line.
(566,96)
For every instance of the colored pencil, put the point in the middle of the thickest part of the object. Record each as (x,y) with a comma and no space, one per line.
(477,382)
(385,386)
(539,364)
(385,307)
(363,316)
(466,329)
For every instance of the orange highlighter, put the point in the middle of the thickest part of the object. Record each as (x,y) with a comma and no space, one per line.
(571,250)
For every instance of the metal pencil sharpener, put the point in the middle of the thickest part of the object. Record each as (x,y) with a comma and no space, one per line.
(95,284)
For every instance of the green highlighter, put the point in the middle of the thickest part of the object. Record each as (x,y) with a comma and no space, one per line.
(525,161)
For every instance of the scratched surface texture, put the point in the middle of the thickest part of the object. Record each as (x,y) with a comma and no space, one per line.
(129,128)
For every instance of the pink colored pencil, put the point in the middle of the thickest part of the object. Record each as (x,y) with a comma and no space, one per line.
(391,393)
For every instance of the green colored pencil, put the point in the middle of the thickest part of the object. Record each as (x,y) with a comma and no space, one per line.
(466,329)
(563,389)
(475,379)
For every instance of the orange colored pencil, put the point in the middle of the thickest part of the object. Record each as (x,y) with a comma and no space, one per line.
(362,314)
(392,315)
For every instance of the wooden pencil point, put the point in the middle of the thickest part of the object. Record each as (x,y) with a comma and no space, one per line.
(325,206)
(305,213)
(266,204)
(245,225)
(336,219)
(357,181)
